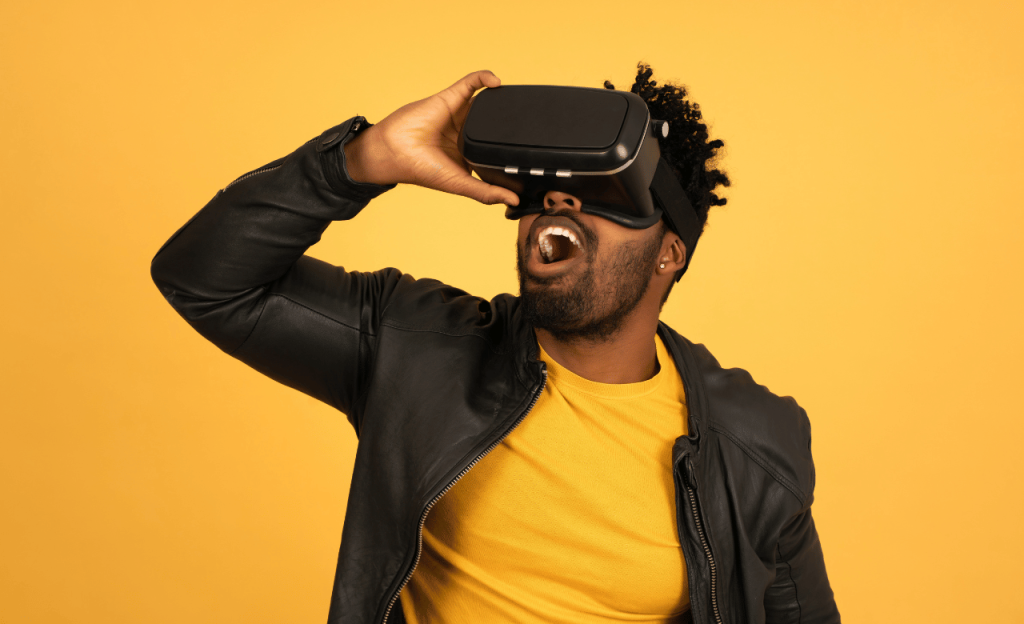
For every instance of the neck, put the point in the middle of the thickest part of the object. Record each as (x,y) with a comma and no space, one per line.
(628,356)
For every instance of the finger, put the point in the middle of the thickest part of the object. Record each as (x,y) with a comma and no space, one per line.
(463,90)
(483,192)
(471,83)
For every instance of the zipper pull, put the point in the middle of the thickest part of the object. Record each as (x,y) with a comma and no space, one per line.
(682,468)
(688,473)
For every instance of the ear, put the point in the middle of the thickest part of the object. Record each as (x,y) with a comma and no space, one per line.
(673,255)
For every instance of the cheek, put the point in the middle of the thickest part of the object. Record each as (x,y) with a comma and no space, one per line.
(524,228)
(618,246)
(611,236)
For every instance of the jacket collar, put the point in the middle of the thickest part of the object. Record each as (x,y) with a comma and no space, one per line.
(526,351)
(693,384)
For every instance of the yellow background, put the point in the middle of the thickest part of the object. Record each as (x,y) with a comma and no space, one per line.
(868,263)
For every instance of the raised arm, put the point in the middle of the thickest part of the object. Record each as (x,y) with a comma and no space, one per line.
(237,271)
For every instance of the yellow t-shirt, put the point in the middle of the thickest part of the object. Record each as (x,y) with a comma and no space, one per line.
(570,519)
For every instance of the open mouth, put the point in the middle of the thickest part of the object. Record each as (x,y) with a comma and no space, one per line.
(557,244)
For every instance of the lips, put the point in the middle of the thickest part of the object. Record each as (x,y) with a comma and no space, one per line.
(555,243)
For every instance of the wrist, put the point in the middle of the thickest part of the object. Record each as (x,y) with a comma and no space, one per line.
(361,155)
(332,146)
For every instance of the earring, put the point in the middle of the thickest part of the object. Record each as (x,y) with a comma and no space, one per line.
(661,266)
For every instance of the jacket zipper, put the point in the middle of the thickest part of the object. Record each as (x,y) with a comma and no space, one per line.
(255,172)
(433,501)
(267,168)
(703,542)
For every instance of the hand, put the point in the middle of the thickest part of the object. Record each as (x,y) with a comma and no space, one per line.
(418,144)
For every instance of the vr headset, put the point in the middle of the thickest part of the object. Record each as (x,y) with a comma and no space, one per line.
(599,145)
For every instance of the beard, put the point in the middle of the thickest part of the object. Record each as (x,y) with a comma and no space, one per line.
(584,310)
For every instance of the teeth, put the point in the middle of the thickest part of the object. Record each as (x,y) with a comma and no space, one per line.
(558,231)
(547,248)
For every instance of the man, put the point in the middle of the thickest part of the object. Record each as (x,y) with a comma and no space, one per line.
(555,457)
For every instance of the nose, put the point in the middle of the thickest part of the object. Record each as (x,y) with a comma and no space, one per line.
(557,200)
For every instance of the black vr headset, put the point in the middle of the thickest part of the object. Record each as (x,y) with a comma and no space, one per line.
(599,145)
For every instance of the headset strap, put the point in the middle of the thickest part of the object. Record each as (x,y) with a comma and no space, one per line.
(678,212)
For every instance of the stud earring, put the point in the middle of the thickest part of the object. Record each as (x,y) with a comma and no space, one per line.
(661,266)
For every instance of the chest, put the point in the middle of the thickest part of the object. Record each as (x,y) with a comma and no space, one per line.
(575,508)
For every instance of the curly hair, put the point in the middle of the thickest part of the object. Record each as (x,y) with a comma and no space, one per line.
(692,156)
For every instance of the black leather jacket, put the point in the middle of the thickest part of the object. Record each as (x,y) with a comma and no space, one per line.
(433,378)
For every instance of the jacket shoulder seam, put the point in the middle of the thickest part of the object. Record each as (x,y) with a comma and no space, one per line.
(793,488)
(263,308)
(361,331)
(314,311)
(443,332)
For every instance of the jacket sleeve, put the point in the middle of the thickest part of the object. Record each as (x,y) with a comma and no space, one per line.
(236,272)
(801,593)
